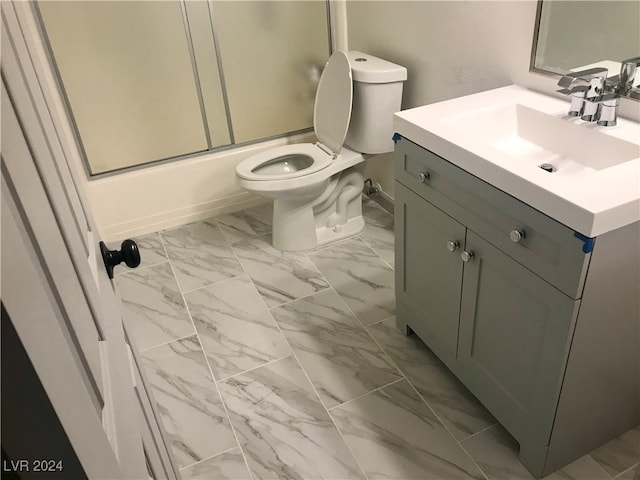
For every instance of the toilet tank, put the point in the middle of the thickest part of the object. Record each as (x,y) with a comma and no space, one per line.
(377,93)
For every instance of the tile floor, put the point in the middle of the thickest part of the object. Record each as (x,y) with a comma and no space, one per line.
(277,365)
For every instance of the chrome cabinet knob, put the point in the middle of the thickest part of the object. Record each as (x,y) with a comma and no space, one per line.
(452,245)
(466,256)
(516,235)
(423,176)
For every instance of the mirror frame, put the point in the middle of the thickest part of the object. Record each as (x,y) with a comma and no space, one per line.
(534,46)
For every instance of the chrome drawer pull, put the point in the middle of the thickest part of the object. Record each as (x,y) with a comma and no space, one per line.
(423,176)
(452,245)
(516,235)
(466,256)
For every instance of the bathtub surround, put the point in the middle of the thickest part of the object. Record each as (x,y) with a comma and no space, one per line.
(290,382)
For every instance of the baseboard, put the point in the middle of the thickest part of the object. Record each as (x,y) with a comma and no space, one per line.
(180,216)
(384,200)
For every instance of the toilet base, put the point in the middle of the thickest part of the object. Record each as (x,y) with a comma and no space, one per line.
(294,239)
(328,235)
(335,215)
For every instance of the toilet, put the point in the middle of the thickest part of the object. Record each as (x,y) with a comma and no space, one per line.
(317,187)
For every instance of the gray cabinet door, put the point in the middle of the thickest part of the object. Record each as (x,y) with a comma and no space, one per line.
(428,275)
(515,333)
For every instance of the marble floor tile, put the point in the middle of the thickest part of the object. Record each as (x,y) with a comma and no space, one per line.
(282,427)
(279,276)
(226,466)
(632,474)
(150,248)
(456,407)
(335,350)
(496,452)
(378,230)
(620,453)
(360,277)
(200,255)
(190,407)
(394,435)
(152,305)
(246,223)
(235,327)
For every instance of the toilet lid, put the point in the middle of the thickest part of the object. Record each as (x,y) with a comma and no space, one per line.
(332,110)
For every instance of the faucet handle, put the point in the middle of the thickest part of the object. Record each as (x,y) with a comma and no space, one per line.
(573,80)
(577,88)
(628,71)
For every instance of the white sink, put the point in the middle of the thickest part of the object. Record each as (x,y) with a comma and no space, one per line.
(591,175)
(531,136)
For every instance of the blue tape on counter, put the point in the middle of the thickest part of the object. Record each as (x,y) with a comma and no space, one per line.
(396,137)
(588,242)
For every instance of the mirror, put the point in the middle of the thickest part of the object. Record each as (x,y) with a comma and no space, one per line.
(573,35)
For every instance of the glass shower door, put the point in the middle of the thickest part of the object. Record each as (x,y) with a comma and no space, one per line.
(154,80)
(127,72)
(272,53)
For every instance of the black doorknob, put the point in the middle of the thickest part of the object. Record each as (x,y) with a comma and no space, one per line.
(128,253)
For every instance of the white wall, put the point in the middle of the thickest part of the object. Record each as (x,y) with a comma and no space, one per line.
(450,49)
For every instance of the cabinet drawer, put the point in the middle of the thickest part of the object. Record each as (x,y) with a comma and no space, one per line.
(549,248)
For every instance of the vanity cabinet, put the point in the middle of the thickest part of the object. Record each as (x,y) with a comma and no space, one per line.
(494,288)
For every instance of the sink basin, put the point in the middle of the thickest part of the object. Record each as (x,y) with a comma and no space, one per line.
(522,142)
(531,136)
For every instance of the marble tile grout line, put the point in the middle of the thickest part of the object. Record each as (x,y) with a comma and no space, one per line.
(249,370)
(631,468)
(206,359)
(299,298)
(293,354)
(488,427)
(601,468)
(208,458)
(424,400)
(449,432)
(364,240)
(402,378)
(146,349)
(139,268)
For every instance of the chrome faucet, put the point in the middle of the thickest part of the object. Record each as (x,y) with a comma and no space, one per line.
(619,86)
(596,97)
(579,85)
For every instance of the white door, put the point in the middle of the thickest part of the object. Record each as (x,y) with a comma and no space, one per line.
(55,288)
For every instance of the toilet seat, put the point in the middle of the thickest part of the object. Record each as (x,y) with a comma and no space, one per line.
(331,117)
(319,157)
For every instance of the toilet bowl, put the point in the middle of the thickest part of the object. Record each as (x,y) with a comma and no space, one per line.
(316,187)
